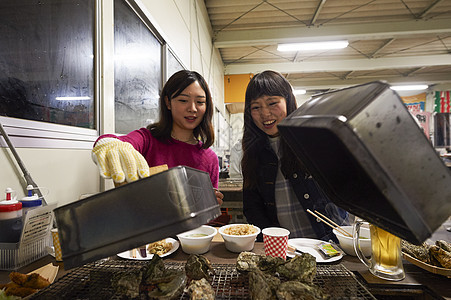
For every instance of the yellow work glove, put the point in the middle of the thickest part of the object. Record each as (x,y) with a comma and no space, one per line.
(119,160)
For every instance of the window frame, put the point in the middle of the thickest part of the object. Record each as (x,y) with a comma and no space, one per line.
(35,134)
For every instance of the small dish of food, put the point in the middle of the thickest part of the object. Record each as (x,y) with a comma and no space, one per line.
(163,248)
(239,237)
(197,241)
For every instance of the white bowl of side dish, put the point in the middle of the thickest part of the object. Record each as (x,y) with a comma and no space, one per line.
(197,241)
(347,243)
(239,237)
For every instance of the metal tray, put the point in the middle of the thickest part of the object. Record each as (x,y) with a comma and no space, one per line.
(371,158)
(135,214)
(92,281)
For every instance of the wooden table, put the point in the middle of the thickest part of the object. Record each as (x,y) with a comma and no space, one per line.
(417,280)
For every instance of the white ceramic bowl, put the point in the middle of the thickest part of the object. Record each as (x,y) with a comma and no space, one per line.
(197,241)
(238,243)
(346,243)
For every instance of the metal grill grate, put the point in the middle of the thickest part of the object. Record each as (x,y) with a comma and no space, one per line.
(92,281)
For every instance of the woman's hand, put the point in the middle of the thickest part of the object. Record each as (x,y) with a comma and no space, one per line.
(219,196)
(119,160)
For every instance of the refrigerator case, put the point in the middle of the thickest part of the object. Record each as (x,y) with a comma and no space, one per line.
(132,215)
(368,154)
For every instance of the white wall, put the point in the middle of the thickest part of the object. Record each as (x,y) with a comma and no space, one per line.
(186,28)
(65,174)
(69,174)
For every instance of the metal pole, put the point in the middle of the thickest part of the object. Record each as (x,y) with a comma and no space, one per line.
(25,172)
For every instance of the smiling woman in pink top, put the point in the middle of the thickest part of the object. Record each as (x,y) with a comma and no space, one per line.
(182,136)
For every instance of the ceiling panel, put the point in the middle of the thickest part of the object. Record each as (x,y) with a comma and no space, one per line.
(399,41)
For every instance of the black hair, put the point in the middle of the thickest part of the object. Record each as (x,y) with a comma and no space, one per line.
(173,87)
(267,83)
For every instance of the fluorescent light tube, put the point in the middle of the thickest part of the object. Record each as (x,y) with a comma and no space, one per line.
(73,98)
(299,92)
(313,46)
(417,87)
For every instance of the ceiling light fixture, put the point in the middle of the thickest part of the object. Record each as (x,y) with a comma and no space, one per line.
(313,46)
(299,92)
(417,87)
(73,98)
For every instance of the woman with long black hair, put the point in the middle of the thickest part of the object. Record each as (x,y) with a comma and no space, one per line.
(277,188)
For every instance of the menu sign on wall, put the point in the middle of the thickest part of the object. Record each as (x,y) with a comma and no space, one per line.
(416,104)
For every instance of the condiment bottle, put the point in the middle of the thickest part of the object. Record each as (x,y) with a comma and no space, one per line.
(10,219)
(30,201)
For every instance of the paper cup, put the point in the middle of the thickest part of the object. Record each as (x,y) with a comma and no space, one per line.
(57,245)
(275,240)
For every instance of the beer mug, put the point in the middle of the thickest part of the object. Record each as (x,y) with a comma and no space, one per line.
(386,258)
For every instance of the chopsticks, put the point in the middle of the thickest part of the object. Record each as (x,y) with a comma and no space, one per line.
(329,222)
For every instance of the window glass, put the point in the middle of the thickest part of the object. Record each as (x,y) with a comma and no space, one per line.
(46,61)
(173,64)
(137,70)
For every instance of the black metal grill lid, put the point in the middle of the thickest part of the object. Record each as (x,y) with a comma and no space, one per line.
(132,215)
(368,154)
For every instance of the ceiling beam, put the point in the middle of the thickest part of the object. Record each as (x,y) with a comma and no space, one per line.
(342,65)
(387,42)
(258,37)
(317,12)
(315,84)
(427,10)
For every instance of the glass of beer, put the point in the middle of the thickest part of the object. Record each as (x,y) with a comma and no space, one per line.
(386,258)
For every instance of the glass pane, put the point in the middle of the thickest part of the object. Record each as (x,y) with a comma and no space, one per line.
(46,61)
(137,71)
(173,65)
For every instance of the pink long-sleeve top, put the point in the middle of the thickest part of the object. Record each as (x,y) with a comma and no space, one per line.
(173,153)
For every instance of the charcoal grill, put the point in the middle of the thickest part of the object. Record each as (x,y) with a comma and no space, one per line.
(92,281)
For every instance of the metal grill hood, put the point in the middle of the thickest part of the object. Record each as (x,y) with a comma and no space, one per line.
(371,158)
(135,214)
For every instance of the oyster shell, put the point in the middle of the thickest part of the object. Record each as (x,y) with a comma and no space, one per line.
(301,267)
(442,256)
(270,264)
(294,290)
(201,290)
(198,267)
(247,261)
(171,289)
(419,252)
(162,283)
(444,245)
(127,283)
(154,271)
(262,286)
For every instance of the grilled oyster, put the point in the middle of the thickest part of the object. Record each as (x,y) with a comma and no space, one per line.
(262,286)
(162,283)
(247,261)
(293,290)
(419,252)
(198,267)
(171,289)
(154,270)
(444,245)
(301,267)
(436,255)
(442,256)
(269,264)
(127,283)
(201,290)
